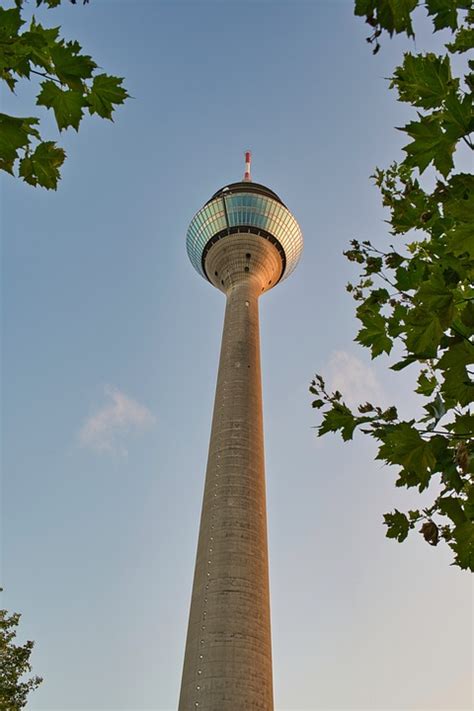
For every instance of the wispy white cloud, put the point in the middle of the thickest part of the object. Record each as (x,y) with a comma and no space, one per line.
(356,381)
(106,429)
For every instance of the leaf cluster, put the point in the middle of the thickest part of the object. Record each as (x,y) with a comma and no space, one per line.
(70,87)
(14,664)
(426,82)
(419,295)
(395,16)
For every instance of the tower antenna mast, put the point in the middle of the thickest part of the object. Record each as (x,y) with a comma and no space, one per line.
(248,160)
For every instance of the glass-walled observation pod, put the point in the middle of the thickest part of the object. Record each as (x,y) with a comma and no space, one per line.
(253,208)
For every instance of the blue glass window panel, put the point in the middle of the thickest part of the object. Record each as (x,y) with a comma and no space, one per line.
(262,212)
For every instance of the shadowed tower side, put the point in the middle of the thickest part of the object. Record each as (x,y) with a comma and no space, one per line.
(244,241)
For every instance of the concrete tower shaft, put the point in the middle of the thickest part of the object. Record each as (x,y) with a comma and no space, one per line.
(244,241)
(228,665)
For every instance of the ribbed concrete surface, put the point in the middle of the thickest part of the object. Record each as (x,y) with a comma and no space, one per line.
(228,664)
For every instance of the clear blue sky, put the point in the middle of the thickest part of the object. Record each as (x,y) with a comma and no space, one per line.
(110,350)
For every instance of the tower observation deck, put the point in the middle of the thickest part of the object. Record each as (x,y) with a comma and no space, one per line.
(244,241)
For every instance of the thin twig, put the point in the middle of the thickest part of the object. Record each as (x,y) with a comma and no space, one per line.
(468,142)
(47,76)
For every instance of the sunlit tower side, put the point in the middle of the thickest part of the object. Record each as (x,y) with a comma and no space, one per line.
(244,241)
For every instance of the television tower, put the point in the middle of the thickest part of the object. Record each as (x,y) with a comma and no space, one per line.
(244,241)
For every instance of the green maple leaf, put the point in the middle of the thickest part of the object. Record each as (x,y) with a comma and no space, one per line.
(15,133)
(378,296)
(393,260)
(458,355)
(463,425)
(464,40)
(469,503)
(408,479)
(458,206)
(10,22)
(40,36)
(8,78)
(403,444)
(431,144)
(463,545)
(467,314)
(423,80)
(458,201)
(364,7)
(457,388)
(458,115)
(446,465)
(72,68)
(42,166)
(106,91)
(444,13)
(398,525)
(374,333)
(461,240)
(339,418)
(392,15)
(39,41)
(404,363)
(67,105)
(426,385)
(424,332)
(440,446)
(396,322)
(437,298)
(414,209)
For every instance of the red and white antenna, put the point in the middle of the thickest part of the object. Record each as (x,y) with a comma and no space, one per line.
(248,160)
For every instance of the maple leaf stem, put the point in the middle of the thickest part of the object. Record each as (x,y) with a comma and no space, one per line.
(46,76)
(377,251)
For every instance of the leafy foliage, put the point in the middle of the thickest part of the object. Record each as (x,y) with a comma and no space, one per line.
(420,294)
(70,88)
(394,16)
(14,664)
